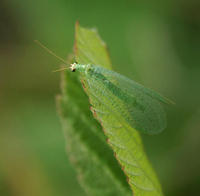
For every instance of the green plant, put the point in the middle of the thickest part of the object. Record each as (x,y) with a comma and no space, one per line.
(100,171)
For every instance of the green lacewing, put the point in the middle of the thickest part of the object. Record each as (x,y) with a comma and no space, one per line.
(140,107)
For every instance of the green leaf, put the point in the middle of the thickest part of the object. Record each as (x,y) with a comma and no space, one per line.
(123,138)
(98,171)
(89,48)
(88,150)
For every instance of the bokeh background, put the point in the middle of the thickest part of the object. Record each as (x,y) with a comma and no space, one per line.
(156,43)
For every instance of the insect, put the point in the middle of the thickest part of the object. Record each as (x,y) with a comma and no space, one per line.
(138,106)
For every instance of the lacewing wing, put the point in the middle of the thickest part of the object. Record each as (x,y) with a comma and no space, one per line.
(138,106)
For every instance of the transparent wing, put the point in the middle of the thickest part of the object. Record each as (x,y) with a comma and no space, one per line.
(131,85)
(137,105)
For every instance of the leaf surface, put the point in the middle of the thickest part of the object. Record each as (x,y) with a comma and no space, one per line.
(98,170)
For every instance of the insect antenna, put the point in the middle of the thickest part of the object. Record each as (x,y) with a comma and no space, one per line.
(52,53)
(61,69)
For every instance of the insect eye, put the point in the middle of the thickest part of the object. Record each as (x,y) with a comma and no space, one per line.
(74,69)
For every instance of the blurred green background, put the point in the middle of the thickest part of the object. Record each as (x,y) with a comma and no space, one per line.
(156,43)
